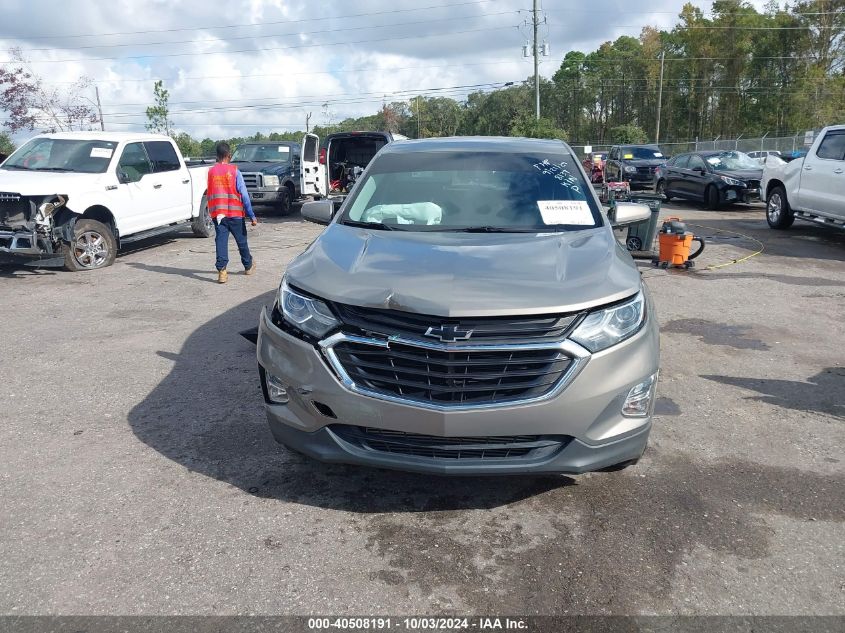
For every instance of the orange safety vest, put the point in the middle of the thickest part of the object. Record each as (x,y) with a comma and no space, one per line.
(222,194)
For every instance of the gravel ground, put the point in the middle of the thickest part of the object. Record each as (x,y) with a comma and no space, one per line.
(138,475)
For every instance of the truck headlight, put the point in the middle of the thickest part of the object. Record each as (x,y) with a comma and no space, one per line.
(310,315)
(271,181)
(630,169)
(604,328)
(733,182)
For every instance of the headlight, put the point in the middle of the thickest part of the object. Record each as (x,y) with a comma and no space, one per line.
(630,169)
(271,181)
(610,326)
(732,181)
(312,316)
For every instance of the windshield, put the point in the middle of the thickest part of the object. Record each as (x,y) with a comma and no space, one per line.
(261,154)
(484,191)
(641,153)
(729,161)
(72,155)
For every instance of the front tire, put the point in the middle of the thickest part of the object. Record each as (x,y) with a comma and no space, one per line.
(286,203)
(203,224)
(778,214)
(711,198)
(661,191)
(93,246)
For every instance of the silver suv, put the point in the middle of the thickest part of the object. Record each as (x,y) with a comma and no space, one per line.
(467,310)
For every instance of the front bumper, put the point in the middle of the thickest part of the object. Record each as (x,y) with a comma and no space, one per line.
(740,194)
(587,412)
(20,243)
(265,195)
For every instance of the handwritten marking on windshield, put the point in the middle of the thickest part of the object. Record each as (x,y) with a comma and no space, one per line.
(560,173)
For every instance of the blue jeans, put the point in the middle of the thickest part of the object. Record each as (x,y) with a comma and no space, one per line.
(237,227)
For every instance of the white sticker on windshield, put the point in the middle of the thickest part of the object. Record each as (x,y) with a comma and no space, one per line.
(101,152)
(283,149)
(566,212)
(713,160)
(658,154)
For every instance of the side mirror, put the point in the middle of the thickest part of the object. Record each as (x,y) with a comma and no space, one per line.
(700,170)
(318,211)
(630,213)
(123,177)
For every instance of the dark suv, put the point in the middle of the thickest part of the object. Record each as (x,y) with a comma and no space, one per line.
(634,164)
(271,172)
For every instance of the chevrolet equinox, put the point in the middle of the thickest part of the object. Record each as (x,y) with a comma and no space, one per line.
(467,310)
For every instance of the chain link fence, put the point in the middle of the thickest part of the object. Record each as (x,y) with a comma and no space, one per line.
(782,144)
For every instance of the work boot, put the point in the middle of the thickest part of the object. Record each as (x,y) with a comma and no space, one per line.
(222,276)
(251,269)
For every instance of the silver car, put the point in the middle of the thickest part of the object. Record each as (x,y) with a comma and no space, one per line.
(467,310)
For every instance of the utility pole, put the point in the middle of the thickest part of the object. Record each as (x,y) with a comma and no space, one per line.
(535,24)
(659,97)
(100,109)
(418,118)
(307,120)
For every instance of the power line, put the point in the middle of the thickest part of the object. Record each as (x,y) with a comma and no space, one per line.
(261,50)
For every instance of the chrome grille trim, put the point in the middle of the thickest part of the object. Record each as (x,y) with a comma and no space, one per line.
(253,179)
(578,354)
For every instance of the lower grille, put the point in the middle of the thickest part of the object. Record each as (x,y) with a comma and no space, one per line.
(752,184)
(253,180)
(451,448)
(445,377)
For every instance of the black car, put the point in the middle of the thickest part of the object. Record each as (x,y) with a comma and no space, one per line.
(714,178)
(271,172)
(634,164)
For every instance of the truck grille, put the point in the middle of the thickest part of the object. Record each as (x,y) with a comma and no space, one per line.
(645,173)
(14,210)
(450,448)
(452,378)
(253,180)
(484,330)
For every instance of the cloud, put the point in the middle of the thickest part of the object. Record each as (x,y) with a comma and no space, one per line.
(246,65)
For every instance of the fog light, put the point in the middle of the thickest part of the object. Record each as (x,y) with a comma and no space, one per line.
(638,402)
(277,391)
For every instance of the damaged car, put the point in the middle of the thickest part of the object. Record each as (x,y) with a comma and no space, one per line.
(75,198)
(467,310)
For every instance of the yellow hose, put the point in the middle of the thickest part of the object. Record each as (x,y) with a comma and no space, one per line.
(733,261)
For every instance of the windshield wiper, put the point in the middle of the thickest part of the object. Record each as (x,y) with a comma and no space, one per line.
(378,226)
(17,167)
(52,169)
(495,229)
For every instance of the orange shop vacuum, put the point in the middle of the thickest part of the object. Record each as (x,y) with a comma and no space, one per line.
(675,243)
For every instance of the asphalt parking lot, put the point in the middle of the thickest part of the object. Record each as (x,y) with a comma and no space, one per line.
(138,475)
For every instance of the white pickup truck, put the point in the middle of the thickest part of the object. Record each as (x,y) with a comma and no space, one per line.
(810,188)
(75,198)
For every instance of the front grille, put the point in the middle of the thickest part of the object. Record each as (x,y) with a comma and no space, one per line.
(253,180)
(450,448)
(752,184)
(484,330)
(645,172)
(450,377)
(14,209)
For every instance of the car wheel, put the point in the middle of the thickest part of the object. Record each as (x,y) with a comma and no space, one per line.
(203,224)
(286,203)
(93,246)
(661,190)
(711,197)
(778,213)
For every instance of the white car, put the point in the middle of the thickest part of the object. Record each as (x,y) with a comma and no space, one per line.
(74,198)
(810,188)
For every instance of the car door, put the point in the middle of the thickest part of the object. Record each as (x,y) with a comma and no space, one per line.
(697,177)
(171,183)
(610,165)
(134,203)
(822,187)
(674,174)
(312,180)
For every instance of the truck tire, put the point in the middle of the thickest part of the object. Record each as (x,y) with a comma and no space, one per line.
(661,190)
(711,198)
(778,214)
(93,246)
(285,206)
(203,224)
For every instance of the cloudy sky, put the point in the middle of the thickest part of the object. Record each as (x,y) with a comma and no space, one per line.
(239,66)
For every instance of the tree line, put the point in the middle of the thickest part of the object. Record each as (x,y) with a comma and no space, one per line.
(727,72)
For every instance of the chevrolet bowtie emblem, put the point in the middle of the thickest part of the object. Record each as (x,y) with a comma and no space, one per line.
(448,333)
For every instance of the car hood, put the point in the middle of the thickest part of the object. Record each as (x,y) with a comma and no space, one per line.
(644,162)
(42,183)
(742,174)
(466,274)
(263,168)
